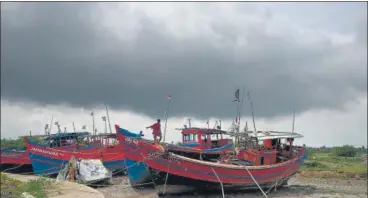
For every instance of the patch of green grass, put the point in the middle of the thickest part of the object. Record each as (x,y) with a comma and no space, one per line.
(16,187)
(334,166)
(314,165)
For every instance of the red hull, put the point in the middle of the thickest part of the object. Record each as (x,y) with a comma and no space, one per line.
(16,157)
(140,150)
(105,154)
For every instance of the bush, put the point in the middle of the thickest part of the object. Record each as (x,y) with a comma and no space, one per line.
(344,151)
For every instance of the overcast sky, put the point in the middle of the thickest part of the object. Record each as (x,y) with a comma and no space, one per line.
(59,58)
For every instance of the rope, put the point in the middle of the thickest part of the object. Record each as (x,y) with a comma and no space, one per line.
(167,174)
(256,182)
(157,190)
(222,187)
(275,185)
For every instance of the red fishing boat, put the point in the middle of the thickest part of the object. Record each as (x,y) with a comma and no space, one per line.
(249,165)
(46,160)
(16,157)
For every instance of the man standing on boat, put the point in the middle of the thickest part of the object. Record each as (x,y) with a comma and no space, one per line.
(156,130)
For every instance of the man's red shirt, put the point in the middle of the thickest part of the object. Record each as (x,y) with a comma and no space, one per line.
(156,128)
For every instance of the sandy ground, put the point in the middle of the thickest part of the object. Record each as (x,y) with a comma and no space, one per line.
(62,189)
(298,187)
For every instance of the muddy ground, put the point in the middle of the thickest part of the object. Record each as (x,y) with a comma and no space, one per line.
(297,187)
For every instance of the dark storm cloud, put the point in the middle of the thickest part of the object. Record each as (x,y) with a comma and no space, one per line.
(59,53)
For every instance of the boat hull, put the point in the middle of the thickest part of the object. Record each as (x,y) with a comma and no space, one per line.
(157,159)
(14,157)
(49,161)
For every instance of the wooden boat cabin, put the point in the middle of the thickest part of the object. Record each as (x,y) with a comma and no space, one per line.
(66,139)
(269,148)
(105,139)
(204,138)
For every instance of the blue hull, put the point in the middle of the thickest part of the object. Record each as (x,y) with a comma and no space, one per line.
(47,166)
(138,173)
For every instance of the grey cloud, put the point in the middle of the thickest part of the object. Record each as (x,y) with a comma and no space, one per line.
(63,55)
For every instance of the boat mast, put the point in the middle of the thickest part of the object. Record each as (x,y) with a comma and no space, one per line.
(254,123)
(239,111)
(73,126)
(108,118)
(166,114)
(93,123)
(52,118)
(104,120)
(292,129)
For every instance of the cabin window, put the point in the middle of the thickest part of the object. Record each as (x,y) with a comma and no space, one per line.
(185,137)
(214,137)
(262,160)
(194,137)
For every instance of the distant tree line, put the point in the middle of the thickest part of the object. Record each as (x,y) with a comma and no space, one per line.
(17,144)
(339,151)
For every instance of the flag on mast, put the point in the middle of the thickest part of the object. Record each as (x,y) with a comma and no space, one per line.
(169,97)
(237,95)
(246,127)
(92,113)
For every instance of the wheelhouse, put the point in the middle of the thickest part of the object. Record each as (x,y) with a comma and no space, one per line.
(203,138)
(269,148)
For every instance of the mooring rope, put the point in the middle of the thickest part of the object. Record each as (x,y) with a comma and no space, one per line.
(222,187)
(256,182)
(167,174)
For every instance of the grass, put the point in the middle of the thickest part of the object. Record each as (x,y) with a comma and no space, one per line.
(325,165)
(15,187)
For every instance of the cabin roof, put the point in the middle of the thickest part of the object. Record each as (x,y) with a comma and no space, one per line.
(67,135)
(110,135)
(201,131)
(267,135)
(60,135)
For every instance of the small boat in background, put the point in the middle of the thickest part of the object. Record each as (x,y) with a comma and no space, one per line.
(20,158)
(14,157)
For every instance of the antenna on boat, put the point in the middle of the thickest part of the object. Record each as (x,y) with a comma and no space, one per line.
(58,125)
(220,123)
(167,114)
(46,128)
(189,123)
(241,105)
(73,127)
(251,105)
(292,129)
(246,126)
(52,118)
(93,122)
(108,118)
(104,119)
(208,124)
